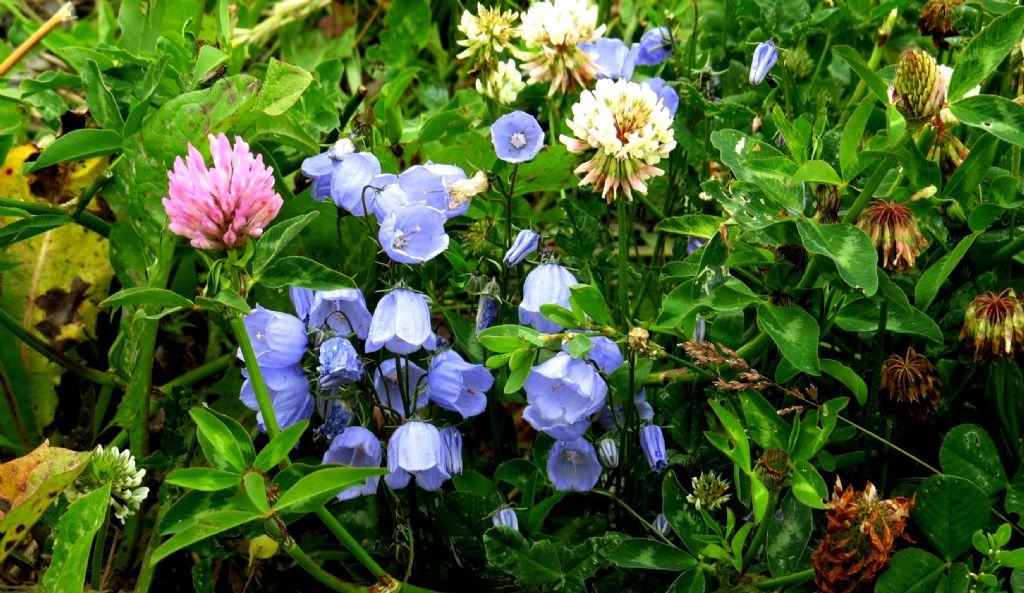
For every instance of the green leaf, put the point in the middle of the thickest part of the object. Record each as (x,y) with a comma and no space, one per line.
(767,428)
(142,295)
(282,87)
(508,551)
(817,172)
(928,285)
(912,571)
(808,485)
(998,116)
(519,366)
(692,225)
(788,534)
(986,51)
(847,377)
(77,146)
(849,145)
(254,486)
(870,78)
(302,272)
(102,106)
(795,332)
(735,446)
(580,562)
(968,452)
(204,526)
(681,516)
(280,446)
(509,338)
(691,581)
(75,532)
(322,485)
(276,238)
(26,228)
(209,58)
(949,510)
(591,301)
(203,478)
(551,170)
(848,247)
(217,441)
(646,553)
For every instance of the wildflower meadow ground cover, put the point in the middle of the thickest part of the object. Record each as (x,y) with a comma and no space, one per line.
(545,295)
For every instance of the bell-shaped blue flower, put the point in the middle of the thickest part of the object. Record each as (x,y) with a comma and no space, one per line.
(561,394)
(451,440)
(457,385)
(506,517)
(387,384)
(526,242)
(413,234)
(608,452)
(416,449)
(652,441)
(573,465)
(339,364)
(341,174)
(343,311)
(668,95)
(614,59)
(279,339)
(390,198)
(488,306)
(289,391)
(604,353)
(401,323)
(356,447)
(545,284)
(302,300)
(655,47)
(517,137)
(644,411)
(765,57)
(430,184)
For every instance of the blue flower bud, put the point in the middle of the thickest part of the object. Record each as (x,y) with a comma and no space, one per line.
(765,56)
(526,243)
(339,364)
(488,307)
(337,419)
(655,47)
(506,517)
(652,441)
(608,452)
(700,328)
(661,524)
(451,440)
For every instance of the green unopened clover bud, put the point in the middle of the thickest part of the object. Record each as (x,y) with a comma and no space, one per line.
(919,90)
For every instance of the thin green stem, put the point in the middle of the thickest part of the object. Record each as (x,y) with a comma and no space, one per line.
(350,542)
(759,537)
(310,566)
(624,262)
(205,370)
(635,515)
(98,546)
(868,190)
(259,386)
(784,581)
(37,344)
(100,411)
(86,219)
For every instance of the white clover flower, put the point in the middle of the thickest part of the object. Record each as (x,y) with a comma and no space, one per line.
(631,130)
(551,32)
(118,469)
(488,34)
(501,84)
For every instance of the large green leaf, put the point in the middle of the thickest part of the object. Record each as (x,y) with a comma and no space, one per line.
(870,78)
(912,571)
(985,52)
(302,272)
(646,553)
(75,532)
(204,526)
(788,533)
(279,447)
(282,87)
(205,479)
(795,332)
(999,116)
(808,486)
(691,581)
(78,146)
(931,280)
(692,225)
(684,520)
(949,510)
(508,551)
(319,486)
(848,377)
(846,245)
(581,562)
(968,452)
(217,441)
(276,238)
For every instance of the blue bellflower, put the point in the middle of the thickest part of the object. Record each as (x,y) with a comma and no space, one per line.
(652,441)
(545,284)
(605,353)
(562,393)
(389,389)
(451,441)
(279,339)
(526,242)
(765,56)
(416,450)
(668,95)
(341,174)
(391,198)
(430,185)
(343,311)
(413,234)
(401,323)
(614,59)
(644,411)
(289,391)
(339,364)
(655,47)
(517,137)
(573,465)
(506,517)
(457,385)
(356,447)
(302,301)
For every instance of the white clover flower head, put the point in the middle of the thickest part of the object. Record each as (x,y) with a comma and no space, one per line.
(488,33)
(551,31)
(709,491)
(502,84)
(631,130)
(118,469)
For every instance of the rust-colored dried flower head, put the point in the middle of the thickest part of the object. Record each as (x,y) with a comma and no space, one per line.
(910,385)
(893,230)
(948,151)
(937,20)
(772,468)
(994,325)
(859,539)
